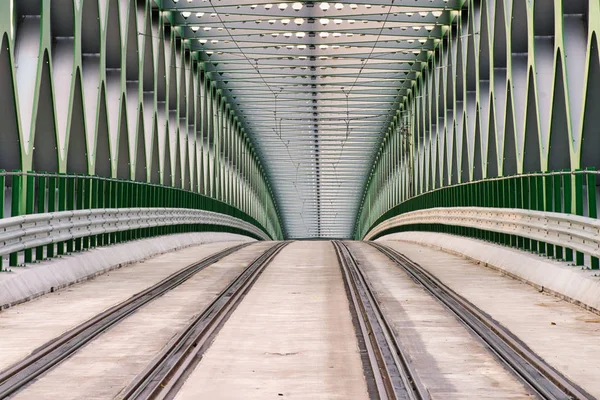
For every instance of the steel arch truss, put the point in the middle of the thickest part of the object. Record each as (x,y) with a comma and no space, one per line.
(513,87)
(316,85)
(109,87)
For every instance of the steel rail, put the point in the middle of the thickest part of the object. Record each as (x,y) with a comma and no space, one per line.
(165,375)
(393,374)
(17,376)
(516,355)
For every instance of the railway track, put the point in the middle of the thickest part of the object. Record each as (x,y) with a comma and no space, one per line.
(391,374)
(544,380)
(54,352)
(165,375)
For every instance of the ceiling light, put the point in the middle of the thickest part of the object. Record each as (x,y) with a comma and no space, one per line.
(282,6)
(339,6)
(287,34)
(324,21)
(301,46)
(367,6)
(436,13)
(323,47)
(274,34)
(299,21)
(268,6)
(195,28)
(202,41)
(253,6)
(272,21)
(353,6)
(214,41)
(207,28)
(300,34)
(199,15)
(337,34)
(297,6)
(423,13)
(186,14)
(324,6)
(337,21)
(285,21)
(324,34)
(351,21)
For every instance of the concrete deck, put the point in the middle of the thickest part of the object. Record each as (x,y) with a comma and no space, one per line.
(108,364)
(577,285)
(562,333)
(25,283)
(25,327)
(449,360)
(291,337)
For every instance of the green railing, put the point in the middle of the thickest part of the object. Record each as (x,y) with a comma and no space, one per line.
(568,192)
(23,193)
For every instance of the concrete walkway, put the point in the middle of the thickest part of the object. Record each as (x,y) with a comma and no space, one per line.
(108,364)
(563,334)
(27,326)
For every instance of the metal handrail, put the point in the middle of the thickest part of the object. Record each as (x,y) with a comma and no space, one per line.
(33,230)
(579,233)
(361,216)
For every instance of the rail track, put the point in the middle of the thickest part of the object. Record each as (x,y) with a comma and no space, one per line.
(165,375)
(544,380)
(392,376)
(19,375)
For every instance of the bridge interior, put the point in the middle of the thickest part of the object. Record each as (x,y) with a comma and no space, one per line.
(266,183)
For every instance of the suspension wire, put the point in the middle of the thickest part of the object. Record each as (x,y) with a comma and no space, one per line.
(256,68)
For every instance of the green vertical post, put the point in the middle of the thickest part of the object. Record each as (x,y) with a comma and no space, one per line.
(70,206)
(41,208)
(52,181)
(79,187)
(533,245)
(579,181)
(568,206)
(558,207)
(15,209)
(542,246)
(87,190)
(592,211)
(92,201)
(108,196)
(62,206)
(548,206)
(29,208)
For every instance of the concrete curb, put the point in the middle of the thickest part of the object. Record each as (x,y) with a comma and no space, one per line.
(567,282)
(34,280)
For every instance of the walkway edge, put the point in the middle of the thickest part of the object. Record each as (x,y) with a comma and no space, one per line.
(34,280)
(564,281)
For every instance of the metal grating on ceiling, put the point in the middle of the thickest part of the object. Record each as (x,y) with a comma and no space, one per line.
(316,85)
